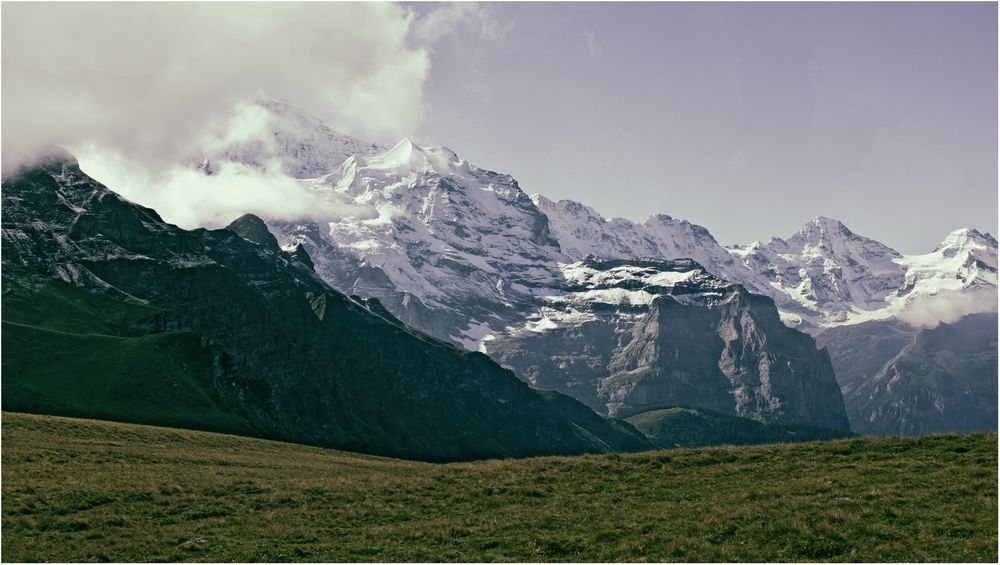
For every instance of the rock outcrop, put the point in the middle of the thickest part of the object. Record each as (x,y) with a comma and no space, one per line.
(944,380)
(631,335)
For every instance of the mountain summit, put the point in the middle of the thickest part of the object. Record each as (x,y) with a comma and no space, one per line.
(275,132)
(826,269)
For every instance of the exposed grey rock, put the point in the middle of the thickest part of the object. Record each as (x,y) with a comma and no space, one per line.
(254,230)
(945,380)
(859,351)
(629,335)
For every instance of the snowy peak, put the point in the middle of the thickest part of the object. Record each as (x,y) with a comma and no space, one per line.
(408,157)
(269,133)
(821,230)
(834,236)
(824,240)
(696,232)
(580,213)
(658,218)
(825,225)
(446,236)
(403,154)
(824,273)
(966,258)
(966,240)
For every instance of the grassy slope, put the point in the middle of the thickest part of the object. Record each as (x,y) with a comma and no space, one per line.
(688,427)
(83,490)
(63,355)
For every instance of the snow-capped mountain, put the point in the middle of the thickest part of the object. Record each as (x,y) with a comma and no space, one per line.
(825,275)
(464,254)
(441,227)
(825,269)
(271,132)
(965,264)
(451,248)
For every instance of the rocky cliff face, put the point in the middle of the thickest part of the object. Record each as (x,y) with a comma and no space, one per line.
(944,380)
(859,351)
(629,335)
(293,356)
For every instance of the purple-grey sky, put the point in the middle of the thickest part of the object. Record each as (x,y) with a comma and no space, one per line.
(747,118)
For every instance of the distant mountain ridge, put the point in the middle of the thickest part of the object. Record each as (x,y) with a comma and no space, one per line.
(825,275)
(903,381)
(467,256)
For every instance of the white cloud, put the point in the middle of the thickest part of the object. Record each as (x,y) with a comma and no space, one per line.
(948,307)
(187,197)
(144,78)
(445,19)
(591,44)
(138,89)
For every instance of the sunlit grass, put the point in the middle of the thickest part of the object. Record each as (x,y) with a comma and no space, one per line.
(80,490)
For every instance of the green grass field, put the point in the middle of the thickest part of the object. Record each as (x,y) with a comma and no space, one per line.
(81,490)
(667,428)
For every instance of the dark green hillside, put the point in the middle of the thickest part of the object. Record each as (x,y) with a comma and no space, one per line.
(67,351)
(77,490)
(688,427)
(62,307)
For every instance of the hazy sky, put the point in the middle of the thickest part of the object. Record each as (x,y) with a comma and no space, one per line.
(746,118)
(749,119)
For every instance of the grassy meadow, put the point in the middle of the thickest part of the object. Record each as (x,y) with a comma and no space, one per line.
(84,490)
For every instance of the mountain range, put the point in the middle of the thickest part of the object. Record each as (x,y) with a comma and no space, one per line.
(822,276)
(898,379)
(431,309)
(599,308)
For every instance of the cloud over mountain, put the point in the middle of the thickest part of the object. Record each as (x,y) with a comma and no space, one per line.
(146,79)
